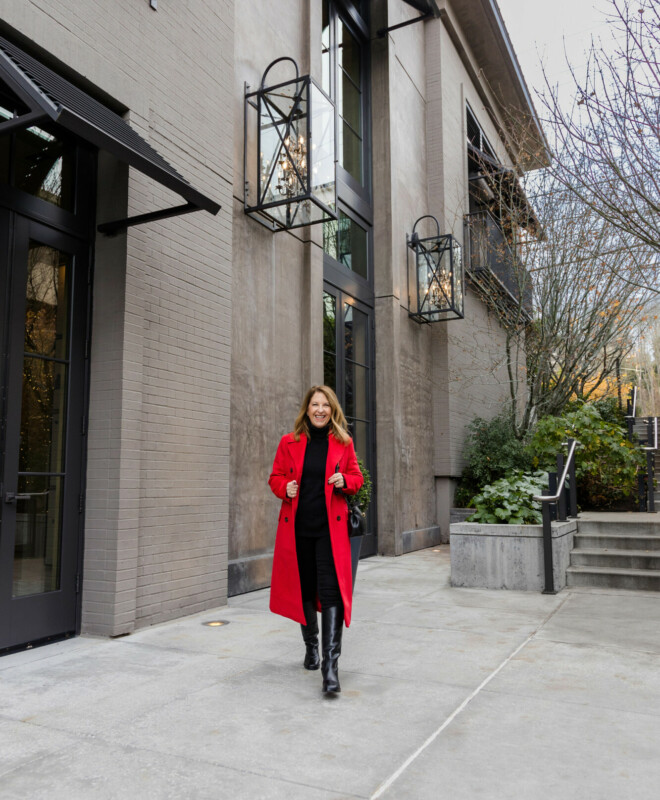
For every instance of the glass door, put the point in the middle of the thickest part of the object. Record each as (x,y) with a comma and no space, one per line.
(44,293)
(347,367)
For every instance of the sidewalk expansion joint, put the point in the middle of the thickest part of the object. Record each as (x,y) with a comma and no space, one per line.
(429,741)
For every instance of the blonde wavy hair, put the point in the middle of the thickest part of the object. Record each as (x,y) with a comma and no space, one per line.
(338,424)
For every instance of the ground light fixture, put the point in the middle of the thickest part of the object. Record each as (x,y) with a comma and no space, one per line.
(289,153)
(436,287)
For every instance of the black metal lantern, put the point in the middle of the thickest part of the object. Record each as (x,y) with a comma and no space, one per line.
(289,156)
(438,292)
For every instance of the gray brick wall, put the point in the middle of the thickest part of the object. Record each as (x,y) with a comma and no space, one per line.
(157,500)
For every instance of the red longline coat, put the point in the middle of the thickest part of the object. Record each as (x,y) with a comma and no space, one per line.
(285,592)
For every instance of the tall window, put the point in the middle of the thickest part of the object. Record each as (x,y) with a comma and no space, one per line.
(348,298)
(344,42)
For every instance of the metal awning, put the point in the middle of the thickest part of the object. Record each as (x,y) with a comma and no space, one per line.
(49,97)
(428,8)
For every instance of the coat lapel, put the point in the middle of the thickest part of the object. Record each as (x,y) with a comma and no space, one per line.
(297,451)
(335,452)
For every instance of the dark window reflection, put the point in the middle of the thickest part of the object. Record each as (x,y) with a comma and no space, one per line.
(357,378)
(43,166)
(359,430)
(47,301)
(346,242)
(348,54)
(37,546)
(329,341)
(329,322)
(43,415)
(355,334)
(350,151)
(43,409)
(5,145)
(330,371)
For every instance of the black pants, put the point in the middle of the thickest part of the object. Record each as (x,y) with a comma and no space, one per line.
(317,570)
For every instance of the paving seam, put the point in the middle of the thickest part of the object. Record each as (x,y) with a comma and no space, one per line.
(397,774)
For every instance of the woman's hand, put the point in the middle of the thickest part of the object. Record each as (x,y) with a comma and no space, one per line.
(337,480)
(292,489)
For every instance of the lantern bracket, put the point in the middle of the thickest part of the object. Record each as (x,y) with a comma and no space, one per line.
(414,236)
(272,64)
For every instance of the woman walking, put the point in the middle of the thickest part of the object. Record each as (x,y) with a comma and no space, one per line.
(315,468)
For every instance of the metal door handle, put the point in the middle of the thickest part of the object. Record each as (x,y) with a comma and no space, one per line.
(12,497)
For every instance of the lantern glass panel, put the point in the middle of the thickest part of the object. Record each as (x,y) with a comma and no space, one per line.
(283,143)
(323,148)
(434,272)
(459,297)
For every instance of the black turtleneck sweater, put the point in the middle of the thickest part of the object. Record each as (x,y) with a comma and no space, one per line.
(312,515)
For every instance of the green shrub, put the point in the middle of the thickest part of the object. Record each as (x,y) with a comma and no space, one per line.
(509,500)
(491,451)
(606,463)
(607,407)
(363,496)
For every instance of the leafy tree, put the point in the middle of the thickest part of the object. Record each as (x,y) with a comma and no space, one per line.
(606,462)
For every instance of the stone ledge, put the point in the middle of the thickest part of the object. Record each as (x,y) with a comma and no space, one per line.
(460,514)
(559,529)
(249,574)
(421,538)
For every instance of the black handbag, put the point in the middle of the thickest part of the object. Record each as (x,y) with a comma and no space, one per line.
(357,523)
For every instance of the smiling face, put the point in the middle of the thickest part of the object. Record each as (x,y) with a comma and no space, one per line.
(319,410)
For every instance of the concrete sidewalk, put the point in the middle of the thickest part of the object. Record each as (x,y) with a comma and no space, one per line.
(447,693)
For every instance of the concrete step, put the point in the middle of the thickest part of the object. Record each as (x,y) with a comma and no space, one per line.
(626,559)
(616,541)
(638,523)
(608,577)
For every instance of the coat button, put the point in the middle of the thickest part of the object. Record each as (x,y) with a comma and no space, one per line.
(338,519)
(291,470)
(286,519)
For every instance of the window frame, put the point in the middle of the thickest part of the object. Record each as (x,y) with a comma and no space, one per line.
(353,199)
(348,188)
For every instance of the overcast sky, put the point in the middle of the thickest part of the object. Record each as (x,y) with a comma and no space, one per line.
(541,29)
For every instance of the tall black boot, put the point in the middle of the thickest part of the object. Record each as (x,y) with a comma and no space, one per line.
(332,621)
(310,634)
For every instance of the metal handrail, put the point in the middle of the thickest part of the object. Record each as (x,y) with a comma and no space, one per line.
(545,500)
(551,498)
(655,434)
(648,503)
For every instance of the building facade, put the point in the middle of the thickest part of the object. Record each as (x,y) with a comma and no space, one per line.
(152,357)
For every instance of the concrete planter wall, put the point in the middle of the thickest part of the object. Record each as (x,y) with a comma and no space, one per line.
(507,556)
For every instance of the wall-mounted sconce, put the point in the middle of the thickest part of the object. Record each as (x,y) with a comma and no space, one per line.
(289,154)
(438,288)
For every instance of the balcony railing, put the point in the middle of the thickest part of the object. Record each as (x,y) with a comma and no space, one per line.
(490,256)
